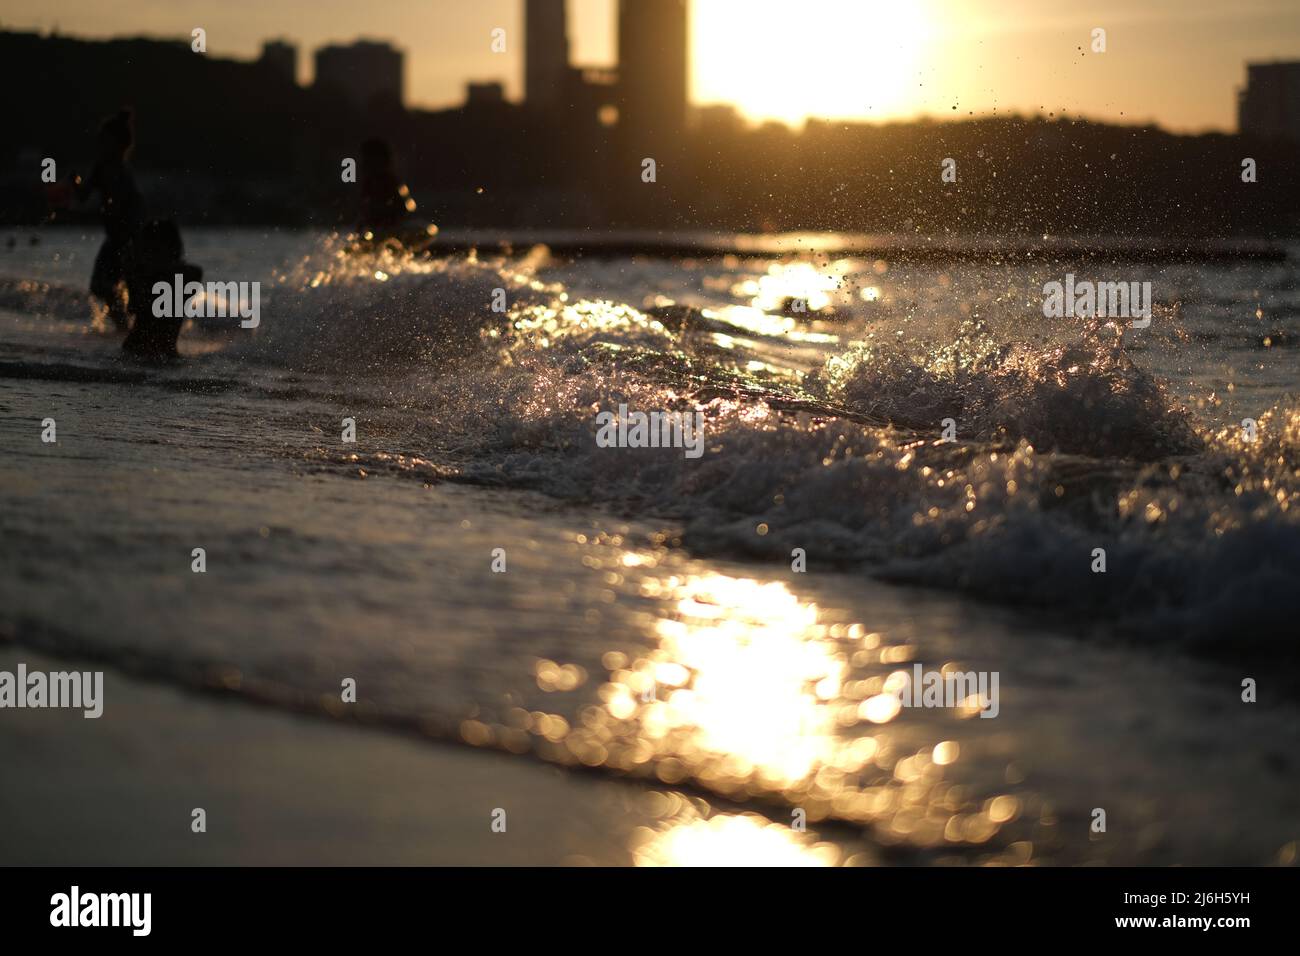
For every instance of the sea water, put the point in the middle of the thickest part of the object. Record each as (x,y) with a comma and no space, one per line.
(731,626)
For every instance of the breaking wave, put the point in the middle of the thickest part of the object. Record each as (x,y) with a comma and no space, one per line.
(1060,449)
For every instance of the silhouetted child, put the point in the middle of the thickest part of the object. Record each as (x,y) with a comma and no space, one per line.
(385,200)
(121,207)
(158,256)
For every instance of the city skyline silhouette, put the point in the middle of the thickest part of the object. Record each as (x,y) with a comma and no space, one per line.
(573,152)
(867,61)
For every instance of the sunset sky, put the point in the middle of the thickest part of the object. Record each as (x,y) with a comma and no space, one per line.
(1177,62)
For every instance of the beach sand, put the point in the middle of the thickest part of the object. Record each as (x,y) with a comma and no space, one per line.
(120,790)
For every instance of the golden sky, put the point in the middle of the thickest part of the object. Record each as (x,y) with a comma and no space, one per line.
(1175,62)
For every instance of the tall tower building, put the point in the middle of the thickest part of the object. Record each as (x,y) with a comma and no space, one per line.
(653,69)
(546,54)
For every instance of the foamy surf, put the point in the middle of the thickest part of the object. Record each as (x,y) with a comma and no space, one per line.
(906,445)
(1059,449)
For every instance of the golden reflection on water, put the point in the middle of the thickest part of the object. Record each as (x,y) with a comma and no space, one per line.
(745,690)
(742,840)
(687,832)
(742,676)
(749,692)
(787,281)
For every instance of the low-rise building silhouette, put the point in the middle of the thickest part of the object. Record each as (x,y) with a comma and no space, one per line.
(365,73)
(1269,106)
(282,57)
(484,95)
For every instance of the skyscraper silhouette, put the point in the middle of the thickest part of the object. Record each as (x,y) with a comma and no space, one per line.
(653,55)
(546,54)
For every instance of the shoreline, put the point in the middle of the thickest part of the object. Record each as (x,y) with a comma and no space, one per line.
(270,782)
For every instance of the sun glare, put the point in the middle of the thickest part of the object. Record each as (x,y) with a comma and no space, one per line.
(817,58)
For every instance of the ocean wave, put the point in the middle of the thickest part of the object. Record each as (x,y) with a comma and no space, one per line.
(52,299)
(382,311)
(1086,397)
(1060,450)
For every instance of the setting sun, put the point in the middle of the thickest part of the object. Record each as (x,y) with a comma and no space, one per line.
(821,58)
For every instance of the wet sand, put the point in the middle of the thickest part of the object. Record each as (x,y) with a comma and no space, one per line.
(120,790)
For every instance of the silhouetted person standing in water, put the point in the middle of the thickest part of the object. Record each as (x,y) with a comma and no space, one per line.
(385,200)
(120,205)
(158,255)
